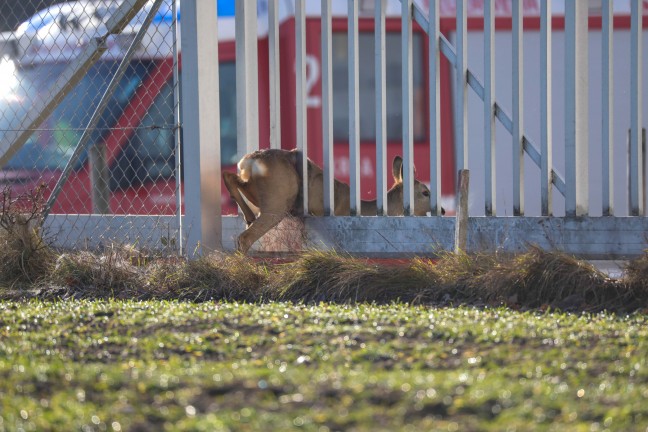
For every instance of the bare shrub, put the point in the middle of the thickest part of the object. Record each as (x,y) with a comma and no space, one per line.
(25,257)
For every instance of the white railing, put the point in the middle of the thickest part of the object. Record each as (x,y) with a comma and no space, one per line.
(573,186)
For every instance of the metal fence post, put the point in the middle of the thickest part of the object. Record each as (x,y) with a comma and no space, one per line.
(247,93)
(354,109)
(435,108)
(274,74)
(518,111)
(461,91)
(406,106)
(576,108)
(546,124)
(300,93)
(490,195)
(636,181)
(201,126)
(381,107)
(327,108)
(607,120)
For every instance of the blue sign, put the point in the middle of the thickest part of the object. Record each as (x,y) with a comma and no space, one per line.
(226,8)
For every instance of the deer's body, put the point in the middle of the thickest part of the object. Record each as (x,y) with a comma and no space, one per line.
(268,185)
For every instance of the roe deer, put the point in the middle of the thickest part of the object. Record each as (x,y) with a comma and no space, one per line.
(269,180)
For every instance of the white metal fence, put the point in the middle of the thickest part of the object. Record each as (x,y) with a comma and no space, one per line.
(576,231)
(518,159)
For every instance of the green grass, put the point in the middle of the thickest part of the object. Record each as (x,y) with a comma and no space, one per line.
(156,365)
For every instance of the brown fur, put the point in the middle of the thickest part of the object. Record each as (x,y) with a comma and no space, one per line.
(267,189)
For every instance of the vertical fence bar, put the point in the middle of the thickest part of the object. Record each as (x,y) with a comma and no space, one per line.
(518,114)
(300,66)
(247,95)
(327,108)
(274,74)
(607,113)
(354,109)
(177,118)
(407,104)
(636,156)
(489,103)
(576,109)
(201,126)
(381,107)
(435,109)
(546,126)
(461,96)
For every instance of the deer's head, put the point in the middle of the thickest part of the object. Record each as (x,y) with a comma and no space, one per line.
(395,195)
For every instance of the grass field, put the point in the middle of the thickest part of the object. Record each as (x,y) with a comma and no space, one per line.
(157,365)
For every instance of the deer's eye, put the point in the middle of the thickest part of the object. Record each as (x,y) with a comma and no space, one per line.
(426,193)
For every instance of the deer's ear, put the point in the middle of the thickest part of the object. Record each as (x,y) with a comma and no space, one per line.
(397,169)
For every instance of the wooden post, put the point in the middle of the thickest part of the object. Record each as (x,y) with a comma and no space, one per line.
(461,223)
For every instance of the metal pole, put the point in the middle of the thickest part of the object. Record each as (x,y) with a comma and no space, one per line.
(300,81)
(636,181)
(247,93)
(327,108)
(407,107)
(489,114)
(518,112)
(354,110)
(201,126)
(546,125)
(607,108)
(176,132)
(274,74)
(576,108)
(435,109)
(461,138)
(381,108)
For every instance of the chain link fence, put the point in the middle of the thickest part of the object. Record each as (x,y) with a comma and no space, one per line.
(108,153)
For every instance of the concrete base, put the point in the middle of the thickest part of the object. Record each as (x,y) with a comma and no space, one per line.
(598,238)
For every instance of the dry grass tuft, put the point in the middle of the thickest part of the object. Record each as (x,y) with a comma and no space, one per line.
(457,277)
(109,275)
(557,279)
(636,273)
(635,278)
(213,277)
(533,279)
(332,277)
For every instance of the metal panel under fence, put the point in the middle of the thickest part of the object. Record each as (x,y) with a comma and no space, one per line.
(127,161)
